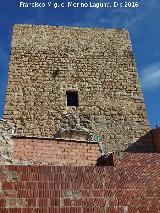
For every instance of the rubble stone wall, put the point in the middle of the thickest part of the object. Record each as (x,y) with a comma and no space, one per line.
(6,142)
(47,61)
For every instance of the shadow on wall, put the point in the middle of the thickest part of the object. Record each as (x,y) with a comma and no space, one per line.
(105,161)
(144,144)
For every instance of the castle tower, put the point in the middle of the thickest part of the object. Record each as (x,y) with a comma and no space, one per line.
(75,83)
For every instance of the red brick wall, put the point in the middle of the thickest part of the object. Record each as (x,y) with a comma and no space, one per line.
(147,162)
(56,152)
(131,186)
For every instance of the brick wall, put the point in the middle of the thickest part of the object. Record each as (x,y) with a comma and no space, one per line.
(55,152)
(130,186)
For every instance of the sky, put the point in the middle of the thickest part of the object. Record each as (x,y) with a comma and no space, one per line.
(142,20)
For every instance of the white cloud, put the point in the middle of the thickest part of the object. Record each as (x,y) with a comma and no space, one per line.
(150,77)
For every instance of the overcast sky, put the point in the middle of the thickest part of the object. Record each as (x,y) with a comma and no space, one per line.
(143,23)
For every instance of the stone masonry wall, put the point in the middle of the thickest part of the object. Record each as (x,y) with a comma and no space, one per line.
(6,142)
(47,61)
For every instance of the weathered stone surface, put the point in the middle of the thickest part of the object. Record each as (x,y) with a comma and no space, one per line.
(47,61)
(77,126)
(6,142)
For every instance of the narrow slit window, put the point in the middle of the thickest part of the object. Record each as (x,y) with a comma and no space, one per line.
(72,98)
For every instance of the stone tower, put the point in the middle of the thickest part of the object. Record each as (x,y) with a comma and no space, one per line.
(76,83)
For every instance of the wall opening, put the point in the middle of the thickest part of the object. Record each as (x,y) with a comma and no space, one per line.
(72,98)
